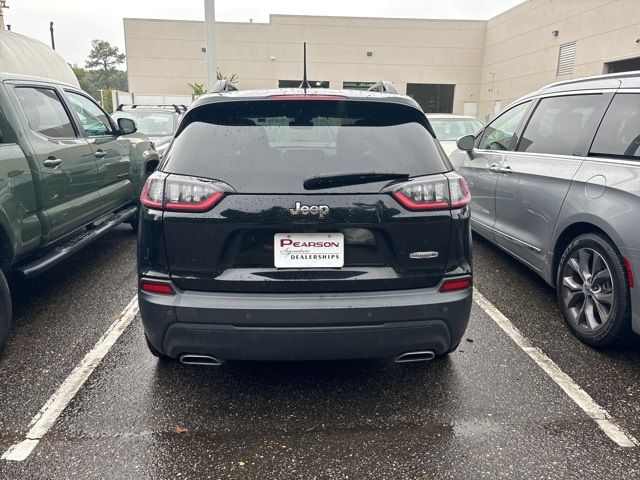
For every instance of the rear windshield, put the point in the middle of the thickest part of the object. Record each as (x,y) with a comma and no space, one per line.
(273,145)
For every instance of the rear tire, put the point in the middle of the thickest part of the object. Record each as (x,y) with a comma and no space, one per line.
(593,291)
(134,223)
(160,356)
(5,312)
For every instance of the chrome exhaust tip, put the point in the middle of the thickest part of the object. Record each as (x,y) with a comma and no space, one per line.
(411,357)
(204,360)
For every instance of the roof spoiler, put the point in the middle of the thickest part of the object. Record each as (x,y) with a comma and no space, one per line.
(177,108)
(223,85)
(384,87)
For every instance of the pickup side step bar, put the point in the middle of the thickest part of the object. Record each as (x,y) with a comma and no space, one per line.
(60,252)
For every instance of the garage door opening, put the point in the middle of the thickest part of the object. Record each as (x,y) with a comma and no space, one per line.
(629,65)
(433,98)
(297,83)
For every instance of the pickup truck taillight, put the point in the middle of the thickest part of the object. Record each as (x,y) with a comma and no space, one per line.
(177,193)
(441,192)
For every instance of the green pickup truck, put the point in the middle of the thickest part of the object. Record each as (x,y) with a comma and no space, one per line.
(68,174)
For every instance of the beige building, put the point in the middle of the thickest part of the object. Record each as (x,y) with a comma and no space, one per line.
(460,66)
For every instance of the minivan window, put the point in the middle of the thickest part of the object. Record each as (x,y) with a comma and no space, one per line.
(273,145)
(500,134)
(45,113)
(94,121)
(619,133)
(558,124)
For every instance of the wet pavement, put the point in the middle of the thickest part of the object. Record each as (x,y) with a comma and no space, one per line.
(487,411)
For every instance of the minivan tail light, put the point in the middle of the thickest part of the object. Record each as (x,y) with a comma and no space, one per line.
(441,192)
(177,193)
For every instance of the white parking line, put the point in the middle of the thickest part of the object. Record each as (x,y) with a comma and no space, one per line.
(49,413)
(564,381)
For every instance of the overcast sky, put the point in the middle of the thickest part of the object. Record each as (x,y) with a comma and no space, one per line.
(77,22)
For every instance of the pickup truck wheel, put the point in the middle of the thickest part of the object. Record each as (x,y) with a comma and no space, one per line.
(5,312)
(593,291)
(134,223)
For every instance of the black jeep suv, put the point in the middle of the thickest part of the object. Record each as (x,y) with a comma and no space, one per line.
(304,225)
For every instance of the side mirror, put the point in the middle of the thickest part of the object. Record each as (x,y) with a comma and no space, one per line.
(466,143)
(127,126)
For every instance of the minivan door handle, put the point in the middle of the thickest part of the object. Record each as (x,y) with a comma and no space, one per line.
(506,169)
(100,154)
(52,162)
(495,168)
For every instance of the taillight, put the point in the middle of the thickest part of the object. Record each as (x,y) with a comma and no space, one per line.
(153,191)
(157,288)
(441,192)
(455,285)
(177,193)
(307,97)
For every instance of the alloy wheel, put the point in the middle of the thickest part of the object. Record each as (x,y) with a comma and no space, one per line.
(587,290)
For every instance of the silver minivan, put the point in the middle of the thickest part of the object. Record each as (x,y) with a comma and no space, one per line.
(555,181)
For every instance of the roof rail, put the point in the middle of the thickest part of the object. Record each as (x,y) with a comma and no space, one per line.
(176,108)
(384,87)
(223,85)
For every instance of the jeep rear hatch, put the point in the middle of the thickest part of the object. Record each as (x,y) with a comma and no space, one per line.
(242,176)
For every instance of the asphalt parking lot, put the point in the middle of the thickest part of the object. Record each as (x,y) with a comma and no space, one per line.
(488,411)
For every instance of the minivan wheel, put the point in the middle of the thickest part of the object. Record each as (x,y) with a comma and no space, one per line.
(593,291)
(5,312)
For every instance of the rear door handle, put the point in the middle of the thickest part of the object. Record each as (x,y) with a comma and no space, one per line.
(52,162)
(497,169)
(100,154)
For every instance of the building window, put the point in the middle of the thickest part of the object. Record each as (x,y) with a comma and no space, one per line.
(357,85)
(433,98)
(629,65)
(297,83)
(566,59)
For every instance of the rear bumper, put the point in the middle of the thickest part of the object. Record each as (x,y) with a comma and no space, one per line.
(305,326)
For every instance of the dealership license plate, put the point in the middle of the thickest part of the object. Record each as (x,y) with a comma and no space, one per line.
(308,250)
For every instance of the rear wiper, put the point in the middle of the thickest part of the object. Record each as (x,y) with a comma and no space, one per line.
(330,180)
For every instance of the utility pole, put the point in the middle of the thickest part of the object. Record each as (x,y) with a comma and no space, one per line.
(3,5)
(210,27)
(53,40)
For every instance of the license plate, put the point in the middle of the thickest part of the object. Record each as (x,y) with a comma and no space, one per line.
(308,250)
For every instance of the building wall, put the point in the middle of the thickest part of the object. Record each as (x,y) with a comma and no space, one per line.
(164,56)
(523,54)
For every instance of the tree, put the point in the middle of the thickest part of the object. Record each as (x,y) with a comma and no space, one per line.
(86,80)
(198,89)
(233,78)
(104,58)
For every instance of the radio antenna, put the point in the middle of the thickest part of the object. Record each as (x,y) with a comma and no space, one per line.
(305,82)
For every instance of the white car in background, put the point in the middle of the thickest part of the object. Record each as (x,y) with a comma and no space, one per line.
(449,128)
